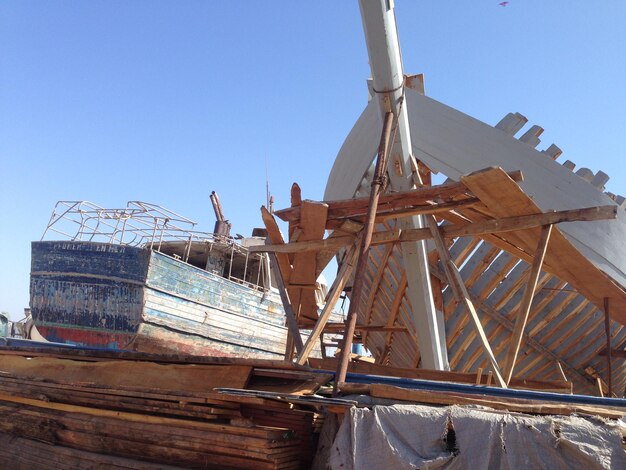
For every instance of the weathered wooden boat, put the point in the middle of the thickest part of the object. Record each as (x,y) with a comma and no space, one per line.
(140,278)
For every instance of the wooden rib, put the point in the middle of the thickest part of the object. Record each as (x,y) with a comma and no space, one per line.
(393,313)
(460,292)
(374,285)
(529,293)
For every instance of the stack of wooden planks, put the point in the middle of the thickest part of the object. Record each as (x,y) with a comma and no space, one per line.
(69,412)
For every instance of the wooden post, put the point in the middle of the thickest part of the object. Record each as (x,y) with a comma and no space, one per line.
(607,329)
(377,180)
(461,295)
(527,300)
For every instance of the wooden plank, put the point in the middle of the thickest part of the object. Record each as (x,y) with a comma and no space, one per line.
(500,225)
(509,224)
(621,353)
(399,199)
(191,378)
(312,223)
(290,315)
(274,235)
(338,327)
(462,296)
(524,309)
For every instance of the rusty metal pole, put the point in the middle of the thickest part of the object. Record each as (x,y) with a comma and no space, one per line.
(607,329)
(361,265)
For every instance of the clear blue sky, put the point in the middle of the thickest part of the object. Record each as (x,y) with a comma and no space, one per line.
(164,101)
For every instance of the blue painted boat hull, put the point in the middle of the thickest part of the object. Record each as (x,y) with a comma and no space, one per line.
(123,297)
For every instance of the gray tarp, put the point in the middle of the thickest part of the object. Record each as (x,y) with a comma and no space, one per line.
(413,436)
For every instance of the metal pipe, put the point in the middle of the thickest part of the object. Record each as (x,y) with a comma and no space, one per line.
(418,384)
(361,266)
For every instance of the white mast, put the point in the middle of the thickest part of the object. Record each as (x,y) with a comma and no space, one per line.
(381,35)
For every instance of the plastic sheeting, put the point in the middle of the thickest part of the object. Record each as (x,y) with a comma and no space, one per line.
(413,436)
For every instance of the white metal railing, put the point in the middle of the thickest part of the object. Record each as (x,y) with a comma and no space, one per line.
(137,224)
(145,225)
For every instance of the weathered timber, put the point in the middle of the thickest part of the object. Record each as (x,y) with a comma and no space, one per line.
(506,224)
(399,199)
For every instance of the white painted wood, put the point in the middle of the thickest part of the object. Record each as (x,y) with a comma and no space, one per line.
(553,152)
(511,123)
(570,165)
(531,136)
(381,35)
(599,180)
(585,173)
(455,144)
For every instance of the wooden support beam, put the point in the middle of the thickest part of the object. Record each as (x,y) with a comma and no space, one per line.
(507,224)
(599,387)
(501,320)
(479,375)
(292,323)
(607,329)
(461,295)
(446,192)
(527,299)
(390,214)
(281,265)
(276,239)
(333,295)
(339,327)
